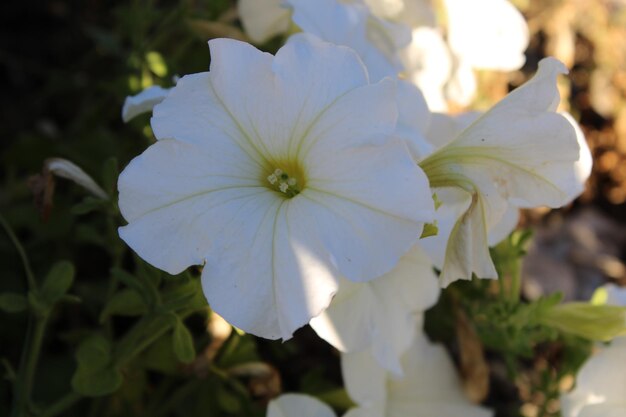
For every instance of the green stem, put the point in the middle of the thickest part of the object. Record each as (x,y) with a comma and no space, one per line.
(33,355)
(174,400)
(34,335)
(61,405)
(516,281)
(28,365)
(32,284)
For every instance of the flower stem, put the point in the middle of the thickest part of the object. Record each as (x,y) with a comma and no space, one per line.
(30,277)
(516,281)
(28,364)
(61,405)
(34,335)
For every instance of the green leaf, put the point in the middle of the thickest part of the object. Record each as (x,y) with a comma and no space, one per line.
(94,353)
(430,229)
(37,304)
(236,350)
(184,295)
(97,384)
(86,233)
(592,322)
(57,282)
(88,205)
(9,373)
(156,63)
(227,400)
(182,343)
(437,201)
(95,376)
(337,398)
(143,286)
(600,296)
(110,172)
(160,356)
(72,299)
(12,302)
(126,302)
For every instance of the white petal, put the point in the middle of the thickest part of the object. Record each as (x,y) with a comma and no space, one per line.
(604,410)
(377,42)
(364,379)
(373,220)
(430,385)
(444,128)
(171,172)
(143,102)
(437,409)
(428,65)
(386,9)
(344,124)
(413,119)
(430,378)
(383,314)
(192,113)
(172,213)
(505,226)
(410,290)
(489,34)
(298,405)
(600,384)
(365,243)
(278,270)
(67,169)
(454,202)
(523,146)
(461,86)
(347,323)
(417,13)
(616,295)
(467,250)
(263,19)
(375,411)
(582,167)
(285,96)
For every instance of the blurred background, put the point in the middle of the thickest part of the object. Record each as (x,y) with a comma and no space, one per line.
(66,67)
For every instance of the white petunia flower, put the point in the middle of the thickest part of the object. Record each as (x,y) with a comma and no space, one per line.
(430,385)
(482,34)
(143,102)
(382,315)
(487,34)
(377,41)
(601,382)
(520,153)
(442,129)
(280,175)
(263,19)
(461,87)
(298,405)
(413,13)
(428,65)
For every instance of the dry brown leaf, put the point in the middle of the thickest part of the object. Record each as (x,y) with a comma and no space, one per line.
(474,367)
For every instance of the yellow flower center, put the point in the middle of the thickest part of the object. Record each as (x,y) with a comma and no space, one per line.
(288,182)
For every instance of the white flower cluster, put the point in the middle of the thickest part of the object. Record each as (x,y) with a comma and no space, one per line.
(303,181)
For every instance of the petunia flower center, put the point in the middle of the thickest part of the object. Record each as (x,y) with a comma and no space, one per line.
(285,183)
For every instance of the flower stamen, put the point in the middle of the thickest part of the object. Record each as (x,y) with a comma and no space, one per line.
(282,182)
